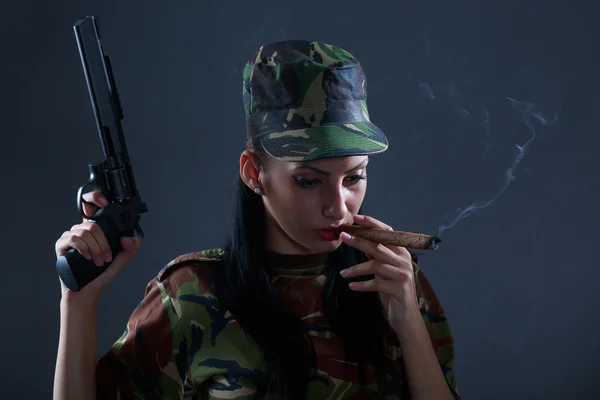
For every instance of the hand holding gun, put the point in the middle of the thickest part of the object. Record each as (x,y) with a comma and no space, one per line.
(113,177)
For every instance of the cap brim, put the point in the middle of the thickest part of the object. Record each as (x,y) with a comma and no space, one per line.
(328,141)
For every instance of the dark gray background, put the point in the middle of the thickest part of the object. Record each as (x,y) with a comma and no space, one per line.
(457,86)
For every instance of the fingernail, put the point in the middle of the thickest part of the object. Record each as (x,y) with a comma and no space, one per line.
(345,235)
(108,257)
(344,272)
(359,217)
(103,202)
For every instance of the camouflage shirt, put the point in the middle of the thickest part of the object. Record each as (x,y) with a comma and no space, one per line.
(180,344)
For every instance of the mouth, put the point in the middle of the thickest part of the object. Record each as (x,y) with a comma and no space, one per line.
(330,233)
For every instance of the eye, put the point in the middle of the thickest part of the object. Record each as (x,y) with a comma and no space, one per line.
(354,179)
(305,183)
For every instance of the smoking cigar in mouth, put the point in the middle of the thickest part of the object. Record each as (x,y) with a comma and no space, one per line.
(418,241)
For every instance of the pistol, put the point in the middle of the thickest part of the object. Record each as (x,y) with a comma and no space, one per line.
(113,177)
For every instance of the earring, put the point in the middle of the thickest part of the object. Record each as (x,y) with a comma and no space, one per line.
(257,190)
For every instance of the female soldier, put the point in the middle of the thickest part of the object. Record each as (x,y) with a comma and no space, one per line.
(287,309)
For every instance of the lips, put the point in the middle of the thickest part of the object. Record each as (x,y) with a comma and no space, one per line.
(328,234)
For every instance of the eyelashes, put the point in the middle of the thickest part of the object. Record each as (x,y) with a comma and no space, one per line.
(309,183)
(356,178)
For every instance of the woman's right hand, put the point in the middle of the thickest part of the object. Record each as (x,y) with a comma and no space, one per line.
(89,240)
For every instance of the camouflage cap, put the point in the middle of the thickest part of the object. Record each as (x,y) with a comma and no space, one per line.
(308,100)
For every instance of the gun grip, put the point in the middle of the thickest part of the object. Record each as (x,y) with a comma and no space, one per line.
(76,271)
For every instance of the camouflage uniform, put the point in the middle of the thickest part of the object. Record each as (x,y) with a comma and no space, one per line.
(181,344)
(303,101)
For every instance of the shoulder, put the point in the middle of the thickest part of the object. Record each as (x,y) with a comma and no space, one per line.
(432,311)
(427,296)
(194,271)
(437,325)
(184,286)
(429,303)
(203,260)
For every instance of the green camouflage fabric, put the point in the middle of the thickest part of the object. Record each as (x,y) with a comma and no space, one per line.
(308,100)
(179,343)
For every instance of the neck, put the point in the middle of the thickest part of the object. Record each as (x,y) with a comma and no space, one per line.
(295,261)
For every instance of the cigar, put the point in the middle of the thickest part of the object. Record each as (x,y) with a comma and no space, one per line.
(418,241)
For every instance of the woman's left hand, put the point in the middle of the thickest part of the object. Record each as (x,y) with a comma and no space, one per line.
(393,271)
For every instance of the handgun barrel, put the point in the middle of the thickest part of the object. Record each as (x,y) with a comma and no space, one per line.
(102,90)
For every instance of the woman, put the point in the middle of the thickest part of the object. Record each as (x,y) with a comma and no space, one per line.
(287,309)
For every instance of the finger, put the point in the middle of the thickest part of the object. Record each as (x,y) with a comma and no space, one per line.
(370,222)
(129,244)
(375,285)
(375,250)
(68,241)
(402,252)
(130,247)
(100,238)
(96,199)
(95,250)
(374,267)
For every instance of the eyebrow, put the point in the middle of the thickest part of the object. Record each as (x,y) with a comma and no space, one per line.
(320,171)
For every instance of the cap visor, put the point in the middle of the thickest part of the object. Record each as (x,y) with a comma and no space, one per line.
(328,141)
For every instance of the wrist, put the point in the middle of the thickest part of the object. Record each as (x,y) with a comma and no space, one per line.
(412,320)
(77,303)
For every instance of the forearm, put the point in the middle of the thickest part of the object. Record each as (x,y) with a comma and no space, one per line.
(74,377)
(423,372)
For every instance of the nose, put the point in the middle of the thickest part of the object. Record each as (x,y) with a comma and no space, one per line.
(334,206)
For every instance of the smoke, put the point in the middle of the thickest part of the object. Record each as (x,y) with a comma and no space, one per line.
(530,117)
(480,106)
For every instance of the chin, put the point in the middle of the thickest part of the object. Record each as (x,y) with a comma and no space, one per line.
(324,246)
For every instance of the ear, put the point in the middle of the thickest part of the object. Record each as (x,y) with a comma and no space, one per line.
(249,171)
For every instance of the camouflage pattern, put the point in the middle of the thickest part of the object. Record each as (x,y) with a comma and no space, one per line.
(308,100)
(179,343)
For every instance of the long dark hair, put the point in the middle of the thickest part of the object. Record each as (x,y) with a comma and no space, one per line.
(242,285)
